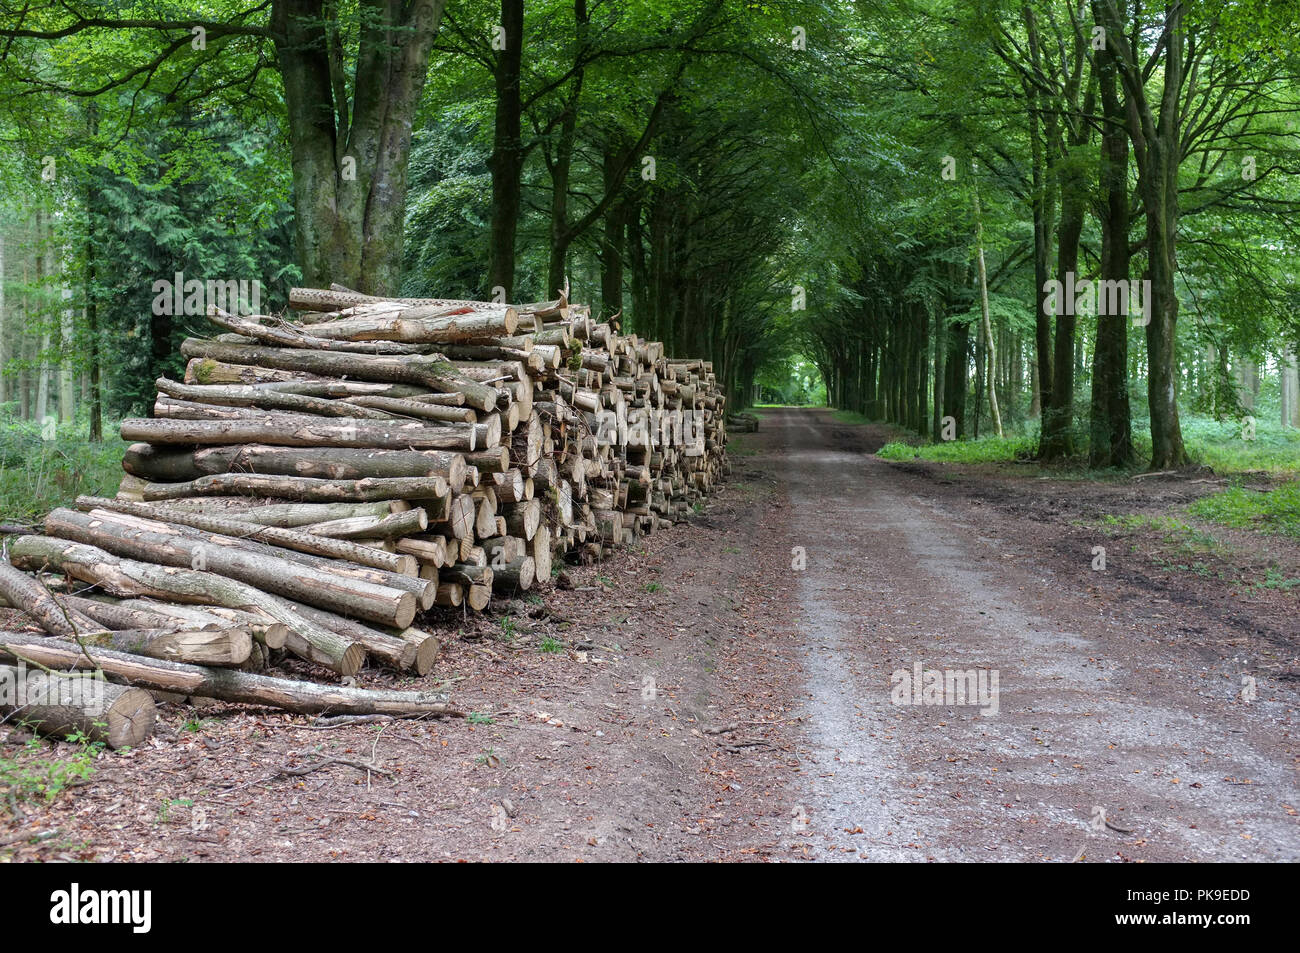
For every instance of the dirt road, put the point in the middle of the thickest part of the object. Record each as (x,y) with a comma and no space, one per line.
(727,690)
(1111,734)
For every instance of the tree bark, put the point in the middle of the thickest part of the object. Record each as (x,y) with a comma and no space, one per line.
(126,577)
(155,542)
(61,705)
(225,684)
(301,430)
(432,372)
(350,164)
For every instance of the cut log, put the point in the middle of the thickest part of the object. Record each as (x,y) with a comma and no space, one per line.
(413,408)
(386,647)
(127,577)
(83,706)
(302,542)
(522,519)
(166,545)
(246,395)
(349,572)
(288,515)
(422,324)
(450,594)
(207,371)
(220,647)
(478,596)
(392,526)
(434,373)
(517,575)
(169,464)
(289,336)
(225,684)
(26,593)
(301,430)
(371,489)
(264,630)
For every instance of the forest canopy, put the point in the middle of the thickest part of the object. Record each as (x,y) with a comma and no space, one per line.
(1072,221)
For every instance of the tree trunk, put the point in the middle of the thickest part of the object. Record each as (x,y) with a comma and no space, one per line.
(507,160)
(350,165)
(1110,420)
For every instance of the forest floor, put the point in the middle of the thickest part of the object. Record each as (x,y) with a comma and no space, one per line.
(709,701)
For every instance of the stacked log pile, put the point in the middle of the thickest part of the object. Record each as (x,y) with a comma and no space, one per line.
(312,485)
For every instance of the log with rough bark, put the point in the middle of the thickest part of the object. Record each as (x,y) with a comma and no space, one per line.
(245,395)
(264,630)
(171,464)
(423,410)
(52,614)
(371,489)
(392,526)
(128,577)
(306,698)
(415,651)
(302,430)
(519,574)
(298,541)
(289,336)
(284,515)
(168,545)
(434,373)
(63,706)
(337,298)
(207,371)
(330,566)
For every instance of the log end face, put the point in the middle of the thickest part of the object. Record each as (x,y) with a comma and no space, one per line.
(130,718)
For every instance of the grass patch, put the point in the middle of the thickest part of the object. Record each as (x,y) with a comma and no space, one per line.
(851,417)
(29,776)
(983,450)
(1275,511)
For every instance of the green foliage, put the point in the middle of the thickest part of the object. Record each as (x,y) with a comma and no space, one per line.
(983,450)
(551,645)
(30,775)
(1272,511)
(37,475)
